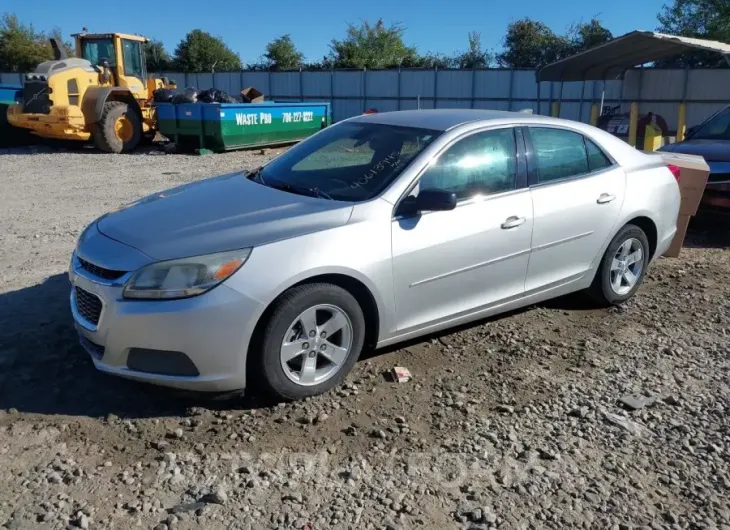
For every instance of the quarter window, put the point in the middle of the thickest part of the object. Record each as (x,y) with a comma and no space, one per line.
(481,164)
(597,160)
(560,154)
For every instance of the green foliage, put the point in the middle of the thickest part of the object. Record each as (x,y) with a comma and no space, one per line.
(475,56)
(158,60)
(372,46)
(585,35)
(282,54)
(530,44)
(22,48)
(703,19)
(201,52)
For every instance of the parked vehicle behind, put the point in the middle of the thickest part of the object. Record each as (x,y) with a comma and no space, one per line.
(378,229)
(711,140)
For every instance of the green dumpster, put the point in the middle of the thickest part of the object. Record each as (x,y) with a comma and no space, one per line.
(226,126)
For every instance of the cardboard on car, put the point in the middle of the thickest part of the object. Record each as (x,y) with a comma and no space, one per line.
(693,174)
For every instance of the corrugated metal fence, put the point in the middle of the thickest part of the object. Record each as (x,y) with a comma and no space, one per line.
(353,91)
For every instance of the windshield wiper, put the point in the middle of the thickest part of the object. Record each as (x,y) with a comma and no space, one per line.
(300,190)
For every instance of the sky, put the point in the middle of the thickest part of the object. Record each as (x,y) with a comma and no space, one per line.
(248,25)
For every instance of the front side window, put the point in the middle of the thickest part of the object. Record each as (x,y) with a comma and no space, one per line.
(132,52)
(560,154)
(481,164)
(350,161)
(717,128)
(97,50)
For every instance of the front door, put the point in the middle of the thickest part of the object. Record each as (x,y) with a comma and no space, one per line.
(450,263)
(577,195)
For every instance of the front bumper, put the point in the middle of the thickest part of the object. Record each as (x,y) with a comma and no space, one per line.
(212,331)
(64,124)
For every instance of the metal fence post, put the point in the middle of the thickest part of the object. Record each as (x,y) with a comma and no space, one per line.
(398,88)
(435,85)
(301,84)
(332,89)
(364,89)
(473,86)
(550,104)
(511,85)
(580,107)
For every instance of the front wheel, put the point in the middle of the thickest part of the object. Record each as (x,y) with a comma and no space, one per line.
(623,267)
(119,130)
(311,341)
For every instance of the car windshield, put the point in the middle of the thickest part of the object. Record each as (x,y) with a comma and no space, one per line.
(717,128)
(97,50)
(350,161)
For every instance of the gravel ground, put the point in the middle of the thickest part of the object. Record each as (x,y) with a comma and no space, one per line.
(553,417)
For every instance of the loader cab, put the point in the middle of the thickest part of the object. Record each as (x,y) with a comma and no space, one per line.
(120,58)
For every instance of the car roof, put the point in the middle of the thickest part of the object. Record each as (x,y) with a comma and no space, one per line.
(445,119)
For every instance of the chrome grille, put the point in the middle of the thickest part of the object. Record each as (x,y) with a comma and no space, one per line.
(88,305)
(101,272)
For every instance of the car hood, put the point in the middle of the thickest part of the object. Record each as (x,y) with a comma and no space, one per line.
(218,214)
(711,150)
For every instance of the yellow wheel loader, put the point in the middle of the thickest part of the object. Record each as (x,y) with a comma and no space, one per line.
(102,94)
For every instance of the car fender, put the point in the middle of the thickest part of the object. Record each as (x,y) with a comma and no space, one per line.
(623,219)
(92,105)
(385,311)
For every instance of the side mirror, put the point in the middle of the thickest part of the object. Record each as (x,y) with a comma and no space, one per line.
(428,200)
(104,63)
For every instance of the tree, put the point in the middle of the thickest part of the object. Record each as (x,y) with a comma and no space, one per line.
(201,52)
(475,56)
(158,60)
(22,48)
(702,19)
(585,35)
(282,54)
(531,44)
(372,46)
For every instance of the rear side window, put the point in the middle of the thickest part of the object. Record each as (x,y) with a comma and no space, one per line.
(560,154)
(597,160)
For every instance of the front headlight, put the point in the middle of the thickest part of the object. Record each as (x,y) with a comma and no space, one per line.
(182,278)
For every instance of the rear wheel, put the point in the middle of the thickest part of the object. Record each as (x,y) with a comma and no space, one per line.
(623,267)
(119,130)
(311,341)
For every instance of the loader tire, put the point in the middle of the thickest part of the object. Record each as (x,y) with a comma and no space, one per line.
(119,130)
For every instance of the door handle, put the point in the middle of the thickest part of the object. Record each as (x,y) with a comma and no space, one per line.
(513,222)
(605,198)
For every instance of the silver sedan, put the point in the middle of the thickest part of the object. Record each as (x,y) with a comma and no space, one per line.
(376,230)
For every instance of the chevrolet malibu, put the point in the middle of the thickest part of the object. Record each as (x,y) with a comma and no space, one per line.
(381,228)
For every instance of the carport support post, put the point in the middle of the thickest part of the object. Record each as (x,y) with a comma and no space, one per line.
(682,110)
(633,123)
(594,114)
(555,111)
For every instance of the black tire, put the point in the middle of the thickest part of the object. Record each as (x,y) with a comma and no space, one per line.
(267,370)
(105,137)
(601,289)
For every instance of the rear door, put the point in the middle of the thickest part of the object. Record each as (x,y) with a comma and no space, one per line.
(577,193)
